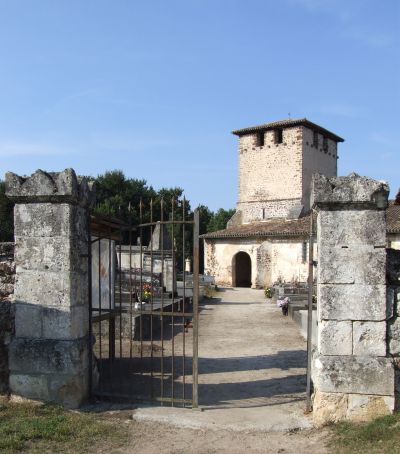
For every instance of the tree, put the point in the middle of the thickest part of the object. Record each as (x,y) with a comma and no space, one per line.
(6,215)
(219,219)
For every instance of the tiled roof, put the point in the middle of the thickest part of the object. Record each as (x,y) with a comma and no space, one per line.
(273,227)
(288,123)
(291,227)
(393,218)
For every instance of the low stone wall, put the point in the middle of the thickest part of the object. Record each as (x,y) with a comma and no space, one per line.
(7,278)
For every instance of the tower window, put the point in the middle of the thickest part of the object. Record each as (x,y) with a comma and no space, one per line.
(304,252)
(315,139)
(278,135)
(260,139)
(263,213)
(325,144)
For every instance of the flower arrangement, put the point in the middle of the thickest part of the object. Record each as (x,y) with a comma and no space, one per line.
(268,292)
(146,292)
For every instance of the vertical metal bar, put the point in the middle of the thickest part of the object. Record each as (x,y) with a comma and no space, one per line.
(162,301)
(89,252)
(309,314)
(111,319)
(195,395)
(184,301)
(151,304)
(99,312)
(141,279)
(130,283)
(173,301)
(119,270)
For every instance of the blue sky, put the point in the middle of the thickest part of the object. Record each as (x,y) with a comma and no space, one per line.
(155,87)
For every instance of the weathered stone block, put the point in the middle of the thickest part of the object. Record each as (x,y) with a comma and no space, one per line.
(51,254)
(354,374)
(352,302)
(50,220)
(28,320)
(351,227)
(354,264)
(335,338)
(58,324)
(45,356)
(394,336)
(30,386)
(368,407)
(45,288)
(329,407)
(369,338)
(354,189)
(69,390)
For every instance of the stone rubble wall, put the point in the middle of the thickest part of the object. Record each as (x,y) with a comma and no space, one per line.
(7,279)
(276,176)
(353,370)
(272,260)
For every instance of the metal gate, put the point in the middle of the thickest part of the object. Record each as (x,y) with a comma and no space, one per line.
(143,317)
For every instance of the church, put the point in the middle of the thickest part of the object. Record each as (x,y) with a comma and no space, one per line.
(266,240)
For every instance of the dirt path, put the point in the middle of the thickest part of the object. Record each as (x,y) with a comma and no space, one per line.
(251,387)
(252,368)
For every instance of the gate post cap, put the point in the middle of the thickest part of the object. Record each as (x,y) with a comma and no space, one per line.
(353,190)
(50,187)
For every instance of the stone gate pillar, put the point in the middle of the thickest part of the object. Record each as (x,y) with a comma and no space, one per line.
(353,375)
(49,353)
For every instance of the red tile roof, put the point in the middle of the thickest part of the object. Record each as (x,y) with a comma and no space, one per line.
(291,227)
(286,124)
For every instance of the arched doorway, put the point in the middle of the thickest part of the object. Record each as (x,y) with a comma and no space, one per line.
(241,270)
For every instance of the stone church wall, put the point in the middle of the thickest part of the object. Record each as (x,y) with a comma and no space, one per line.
(272,260)
(316,159)
(269,173)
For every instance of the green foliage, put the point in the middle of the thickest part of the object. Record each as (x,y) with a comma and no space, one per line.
(219,219)
(6,215)
(50,428)
(120,197)
(378,436)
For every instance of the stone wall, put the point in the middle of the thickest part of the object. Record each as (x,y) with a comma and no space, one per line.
(274,179)
(268,173)
(7,278)
(353,370)
(316,159)
(272,260)
(49,354)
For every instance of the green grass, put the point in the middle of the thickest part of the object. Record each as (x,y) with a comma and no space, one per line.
(50,428)
(382,435)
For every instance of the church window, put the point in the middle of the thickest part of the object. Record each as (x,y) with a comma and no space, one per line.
(304,252)
(315,139)
(263,213)
(325,144)
(278,135)
(260,139)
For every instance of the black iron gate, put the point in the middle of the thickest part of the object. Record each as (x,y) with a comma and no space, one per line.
(143,317)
